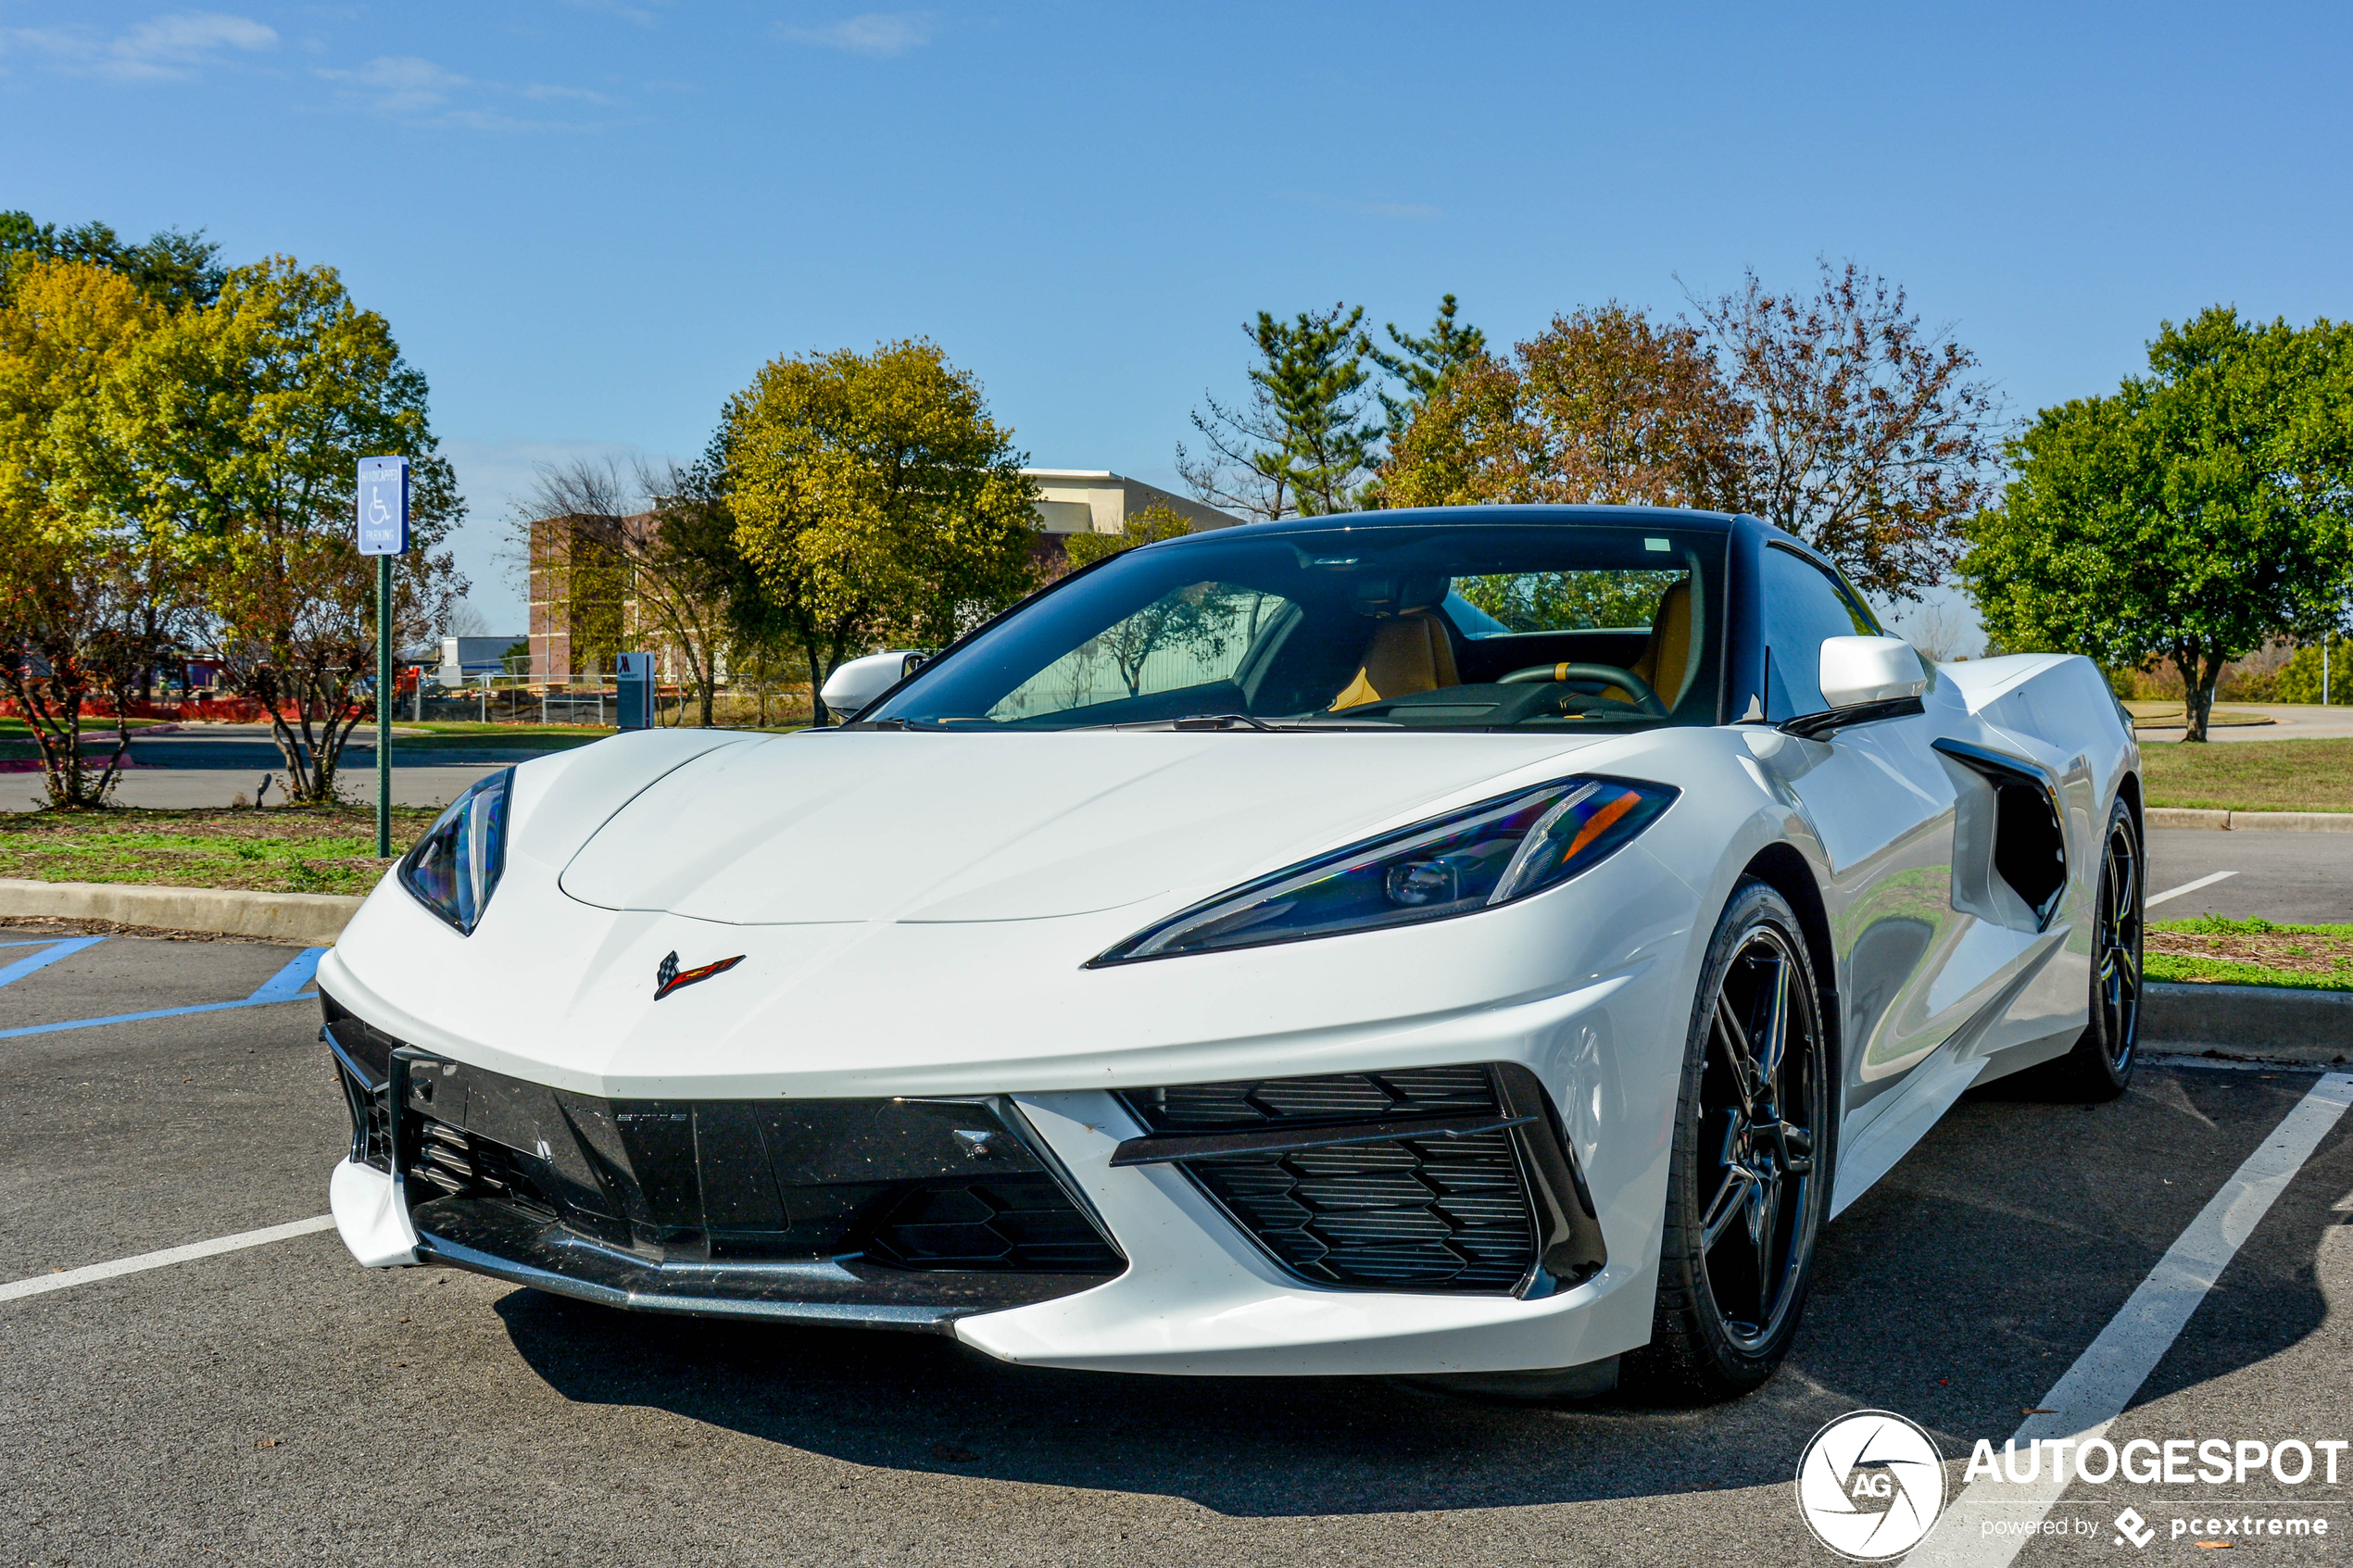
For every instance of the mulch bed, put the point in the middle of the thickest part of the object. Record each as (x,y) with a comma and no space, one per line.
(2294,952)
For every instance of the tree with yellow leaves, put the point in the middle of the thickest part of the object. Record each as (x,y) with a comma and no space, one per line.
(878,500)
(81,584)
(244,424)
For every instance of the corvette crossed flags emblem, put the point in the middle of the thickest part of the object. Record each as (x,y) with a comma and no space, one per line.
(669,977)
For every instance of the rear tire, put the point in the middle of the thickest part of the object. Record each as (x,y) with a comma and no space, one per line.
(2101,1065)
(1748,1189)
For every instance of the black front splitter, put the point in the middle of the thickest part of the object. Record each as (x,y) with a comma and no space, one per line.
(492,1239)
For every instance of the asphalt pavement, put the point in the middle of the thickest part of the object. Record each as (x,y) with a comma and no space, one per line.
(2294,878)
(279,1404)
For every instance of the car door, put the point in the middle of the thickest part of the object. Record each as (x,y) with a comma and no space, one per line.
(1883,810)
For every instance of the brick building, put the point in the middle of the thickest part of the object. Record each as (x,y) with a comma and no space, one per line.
(582,613)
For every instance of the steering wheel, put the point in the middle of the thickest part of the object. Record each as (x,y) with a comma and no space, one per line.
(1624,680)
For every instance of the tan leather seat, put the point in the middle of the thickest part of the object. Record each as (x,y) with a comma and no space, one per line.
(1668,656)
(1408,653)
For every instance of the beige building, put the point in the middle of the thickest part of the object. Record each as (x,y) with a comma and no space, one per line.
(1097,501)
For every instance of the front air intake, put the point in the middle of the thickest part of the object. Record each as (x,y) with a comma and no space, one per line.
(1449,1179)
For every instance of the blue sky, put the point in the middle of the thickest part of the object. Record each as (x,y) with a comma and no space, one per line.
(590,223)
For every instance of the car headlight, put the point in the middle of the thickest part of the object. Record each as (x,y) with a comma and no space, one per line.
(1492,853)
(453,870)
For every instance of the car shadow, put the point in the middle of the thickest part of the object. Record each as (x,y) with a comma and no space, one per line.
(1955,1292)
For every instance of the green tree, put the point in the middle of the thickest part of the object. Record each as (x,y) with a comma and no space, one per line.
(878,500)
(1421,365)
(1302,443)
(2202,511)
(171,267)
(2300,679)
(86,603)
(1146,525)
(245,423)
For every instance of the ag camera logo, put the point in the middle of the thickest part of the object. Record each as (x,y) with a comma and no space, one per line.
(1870,1484)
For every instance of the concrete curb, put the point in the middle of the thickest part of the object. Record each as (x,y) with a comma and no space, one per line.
(314,919)
(2258,1021)
(2250,821)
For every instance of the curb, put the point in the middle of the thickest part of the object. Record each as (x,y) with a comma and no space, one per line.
(315,918)
(2249,822)
(2263,1021)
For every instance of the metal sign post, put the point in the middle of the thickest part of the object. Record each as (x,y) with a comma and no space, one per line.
(384,533)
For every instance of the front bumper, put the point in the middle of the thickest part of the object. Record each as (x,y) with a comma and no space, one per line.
(1445,1229)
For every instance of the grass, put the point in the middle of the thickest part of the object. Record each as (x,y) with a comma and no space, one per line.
(296,849)
(2273,775)
(16,729)
(2216,950)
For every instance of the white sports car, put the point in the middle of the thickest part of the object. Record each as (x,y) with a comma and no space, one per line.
(1486,943)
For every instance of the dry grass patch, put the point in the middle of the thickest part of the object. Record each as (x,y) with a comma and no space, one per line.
(2271,775)
(295,849)
(2214,949)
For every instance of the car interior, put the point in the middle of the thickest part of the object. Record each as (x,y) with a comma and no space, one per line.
(1390,636)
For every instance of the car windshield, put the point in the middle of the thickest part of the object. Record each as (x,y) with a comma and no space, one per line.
(1521,626)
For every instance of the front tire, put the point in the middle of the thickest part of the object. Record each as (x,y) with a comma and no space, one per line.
(1749,1187)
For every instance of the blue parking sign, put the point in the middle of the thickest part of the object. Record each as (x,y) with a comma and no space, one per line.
(383,505)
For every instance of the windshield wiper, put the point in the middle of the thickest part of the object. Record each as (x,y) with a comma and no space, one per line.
(1196,722)
(1220,721)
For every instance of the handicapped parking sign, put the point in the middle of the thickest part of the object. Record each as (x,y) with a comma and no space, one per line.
(383,505)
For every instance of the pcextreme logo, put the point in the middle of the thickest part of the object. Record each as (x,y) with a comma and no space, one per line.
(1870,1484)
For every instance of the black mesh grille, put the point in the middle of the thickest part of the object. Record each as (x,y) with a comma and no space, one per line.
(1341,1096)
(1012,1223)
(1412,1212)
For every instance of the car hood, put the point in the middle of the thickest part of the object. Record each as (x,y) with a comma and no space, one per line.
(866,826)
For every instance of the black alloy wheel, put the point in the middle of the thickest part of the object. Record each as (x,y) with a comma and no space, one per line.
(1750,1185)
(2101,1064)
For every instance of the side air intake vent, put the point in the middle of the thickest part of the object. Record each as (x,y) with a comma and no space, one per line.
(2009,843)
(1427,1179)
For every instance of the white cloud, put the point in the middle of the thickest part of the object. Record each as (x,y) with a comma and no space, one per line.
(167,48)
(401,84)
(404,87)
(878,33)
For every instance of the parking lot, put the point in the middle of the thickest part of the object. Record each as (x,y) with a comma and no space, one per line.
(274,1403)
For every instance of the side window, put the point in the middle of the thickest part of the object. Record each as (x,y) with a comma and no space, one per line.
(1804,606)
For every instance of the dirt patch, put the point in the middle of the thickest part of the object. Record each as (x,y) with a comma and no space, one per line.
(50,925)
(2323,957)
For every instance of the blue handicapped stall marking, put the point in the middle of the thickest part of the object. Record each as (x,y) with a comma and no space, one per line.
(58,949)
(286,986)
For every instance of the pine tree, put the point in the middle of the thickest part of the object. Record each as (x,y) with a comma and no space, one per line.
(1422,364)
(1302,445)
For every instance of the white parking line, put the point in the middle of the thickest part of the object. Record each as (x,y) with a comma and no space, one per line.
(64,1279)
(2156,899)
(2095,1391)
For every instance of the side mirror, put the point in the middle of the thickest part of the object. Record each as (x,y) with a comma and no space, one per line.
(1860,669)
(854,685)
